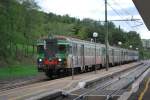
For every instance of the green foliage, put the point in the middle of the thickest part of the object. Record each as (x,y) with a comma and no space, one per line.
(144,54)
(22,23)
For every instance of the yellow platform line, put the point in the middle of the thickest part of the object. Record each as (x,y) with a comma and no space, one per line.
(144,91)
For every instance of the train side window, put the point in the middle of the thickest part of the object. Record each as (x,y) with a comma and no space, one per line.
(70,49)
(97,52)
(88,53)
(103,51)
(85,50)
(76,50)
(79,50)
(112,52)
(90,49)
(100,52)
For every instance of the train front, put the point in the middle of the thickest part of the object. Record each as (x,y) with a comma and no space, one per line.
(55,56)
(41,44)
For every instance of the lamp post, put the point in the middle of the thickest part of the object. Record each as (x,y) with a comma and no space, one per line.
(120,43)
(137,51)
(95,35)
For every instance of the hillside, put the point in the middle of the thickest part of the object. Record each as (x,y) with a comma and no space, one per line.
(22,23)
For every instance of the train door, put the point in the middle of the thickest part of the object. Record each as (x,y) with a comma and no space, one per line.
(79,55)
(103,56)
(113,57)
(82,56)
(75,59)
(122,59)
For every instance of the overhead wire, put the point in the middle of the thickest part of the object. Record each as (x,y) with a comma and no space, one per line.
(118,14)
(123,10)
(128,13)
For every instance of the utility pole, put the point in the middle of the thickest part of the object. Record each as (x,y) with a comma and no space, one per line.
(106,37)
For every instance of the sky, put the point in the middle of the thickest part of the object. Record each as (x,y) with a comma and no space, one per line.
(95,9)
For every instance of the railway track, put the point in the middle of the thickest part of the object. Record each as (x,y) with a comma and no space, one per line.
(14,83)
(108,89)
(18,82)
(37,90)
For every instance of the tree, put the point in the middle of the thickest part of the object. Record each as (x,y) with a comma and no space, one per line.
(21,23)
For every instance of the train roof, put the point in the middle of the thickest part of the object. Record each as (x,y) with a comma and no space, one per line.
(71,39)
(76,40)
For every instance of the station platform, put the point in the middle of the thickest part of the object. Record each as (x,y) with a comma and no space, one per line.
(143,92)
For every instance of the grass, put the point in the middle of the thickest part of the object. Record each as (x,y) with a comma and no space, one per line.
(17,71)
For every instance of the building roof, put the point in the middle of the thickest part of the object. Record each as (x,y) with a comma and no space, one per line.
(143,7)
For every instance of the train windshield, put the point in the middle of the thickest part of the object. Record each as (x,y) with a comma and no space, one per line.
(40,48)
(62,48)
(51,48)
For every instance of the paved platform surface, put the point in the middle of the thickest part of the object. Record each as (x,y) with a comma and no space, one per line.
(143,92)
(147,94)
(25,92)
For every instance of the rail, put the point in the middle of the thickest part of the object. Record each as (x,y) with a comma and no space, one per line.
(125,76)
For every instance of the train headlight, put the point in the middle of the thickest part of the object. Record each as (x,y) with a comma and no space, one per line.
(59,59)
(40,60)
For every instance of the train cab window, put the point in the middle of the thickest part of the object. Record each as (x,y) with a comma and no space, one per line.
(62,48)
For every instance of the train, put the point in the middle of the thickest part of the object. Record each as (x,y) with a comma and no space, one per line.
(60,54)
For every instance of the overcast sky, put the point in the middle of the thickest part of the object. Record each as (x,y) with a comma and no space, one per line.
(94,9)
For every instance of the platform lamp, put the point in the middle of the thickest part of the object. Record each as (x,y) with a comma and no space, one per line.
(130,46)
(120,43)
(95,35)
(137,48)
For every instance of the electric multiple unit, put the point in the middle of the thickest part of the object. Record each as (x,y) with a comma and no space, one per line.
(60,54)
